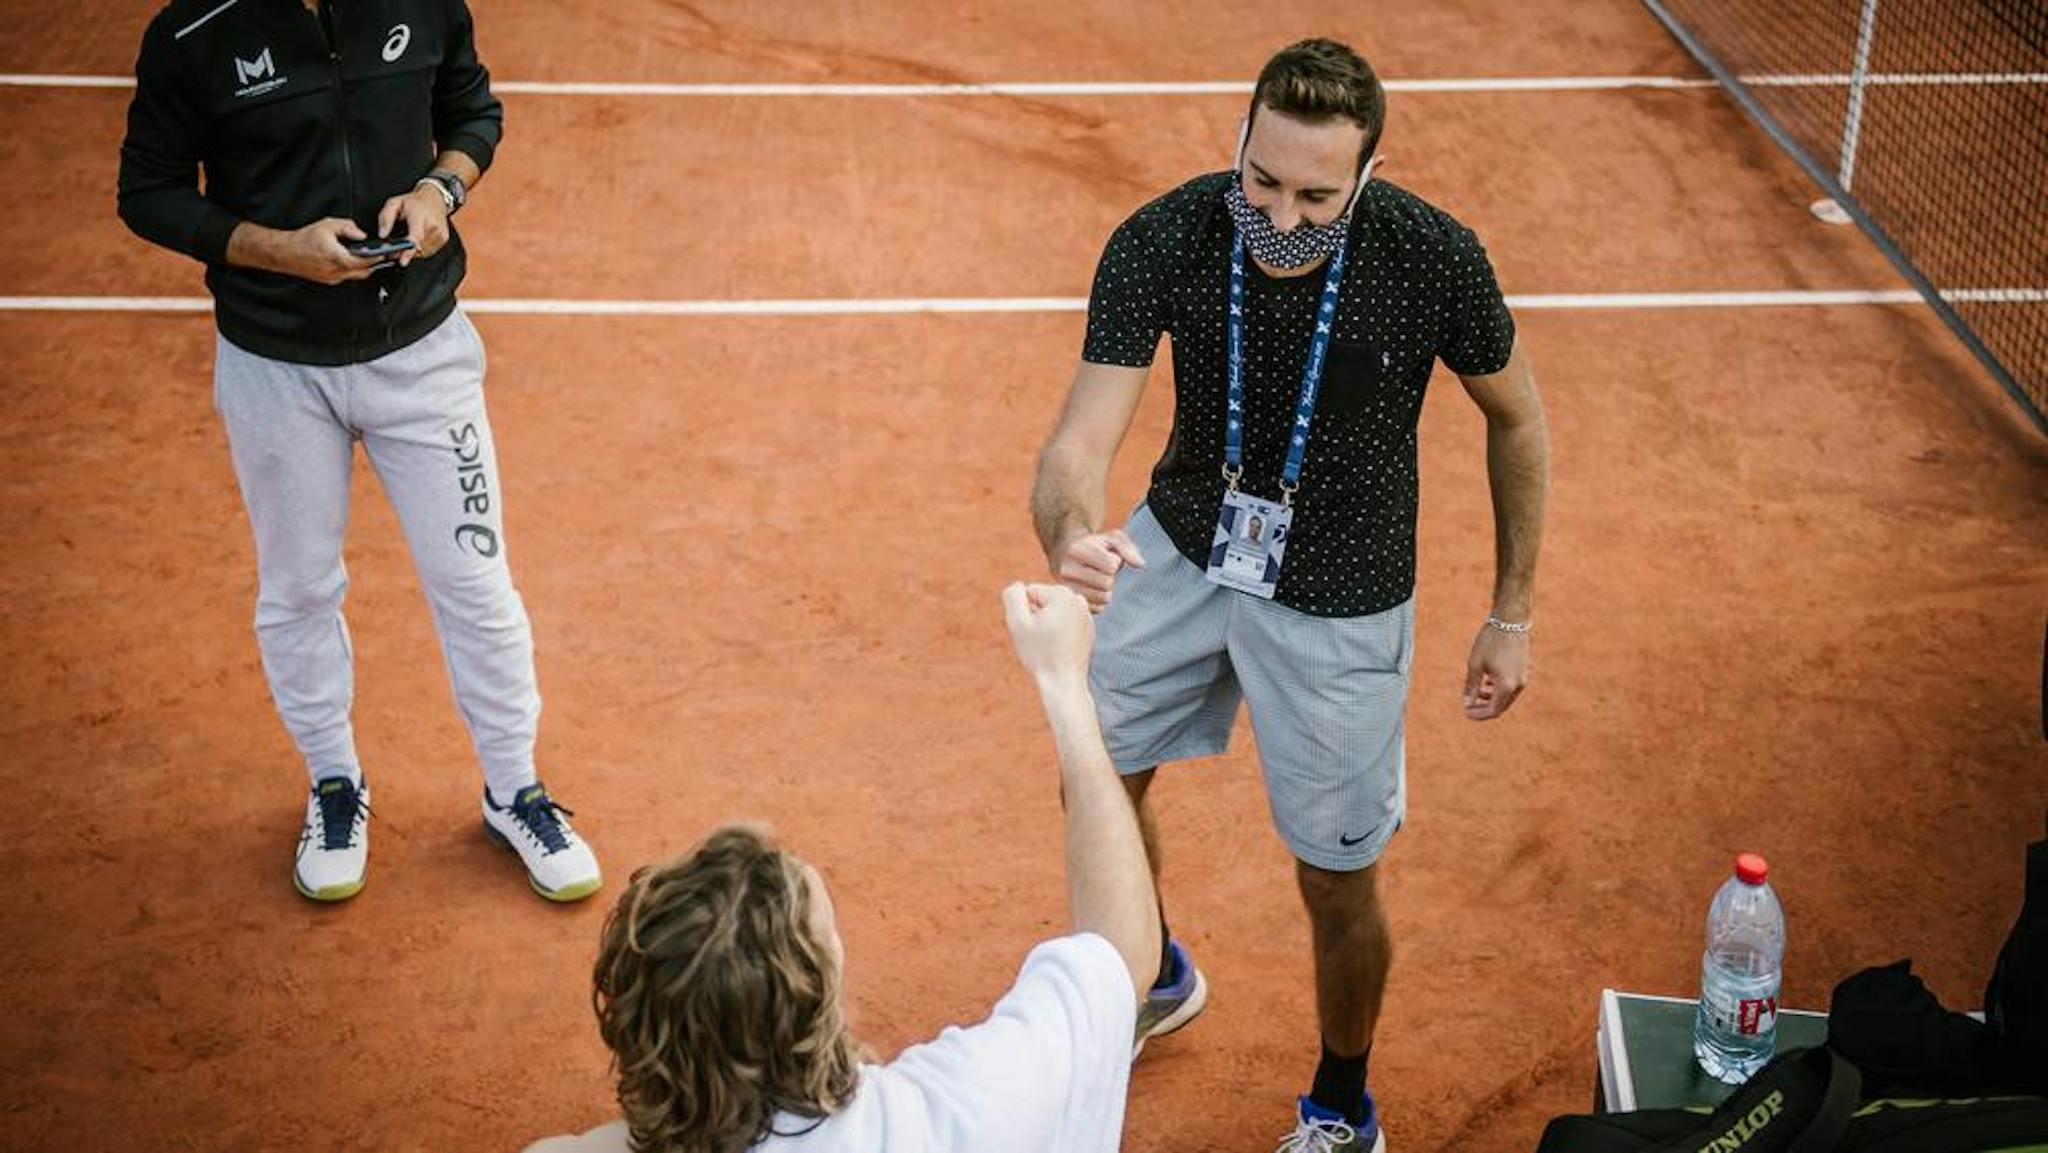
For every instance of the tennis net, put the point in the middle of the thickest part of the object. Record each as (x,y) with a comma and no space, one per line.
(1926,122)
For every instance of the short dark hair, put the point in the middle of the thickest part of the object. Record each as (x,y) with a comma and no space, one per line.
(1316,80)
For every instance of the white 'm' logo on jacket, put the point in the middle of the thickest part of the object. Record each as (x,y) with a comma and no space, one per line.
(395,43)
(257,69)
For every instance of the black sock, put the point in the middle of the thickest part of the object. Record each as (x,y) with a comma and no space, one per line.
(1340,1084)
(1168,971)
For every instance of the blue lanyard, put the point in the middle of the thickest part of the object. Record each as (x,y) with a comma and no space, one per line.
(1311,374)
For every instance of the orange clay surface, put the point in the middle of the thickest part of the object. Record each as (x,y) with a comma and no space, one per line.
(1791,597)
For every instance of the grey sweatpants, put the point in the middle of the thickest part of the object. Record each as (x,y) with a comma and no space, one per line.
(419,412)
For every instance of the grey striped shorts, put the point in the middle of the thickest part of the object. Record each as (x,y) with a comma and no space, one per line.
(1175,653)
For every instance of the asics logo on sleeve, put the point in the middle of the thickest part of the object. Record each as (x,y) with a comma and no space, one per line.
(395,43)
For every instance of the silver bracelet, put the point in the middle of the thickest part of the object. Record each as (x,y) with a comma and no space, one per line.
(440,189)
(1507,626)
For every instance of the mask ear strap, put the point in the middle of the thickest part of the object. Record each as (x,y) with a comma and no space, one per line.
(1244,136)
(1364,178)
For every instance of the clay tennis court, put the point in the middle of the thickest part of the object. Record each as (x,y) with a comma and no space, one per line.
(1791,597)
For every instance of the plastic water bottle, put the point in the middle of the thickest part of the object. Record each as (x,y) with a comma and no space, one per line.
(1736,1029)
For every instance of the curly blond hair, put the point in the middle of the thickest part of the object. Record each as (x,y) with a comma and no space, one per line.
(720,1004)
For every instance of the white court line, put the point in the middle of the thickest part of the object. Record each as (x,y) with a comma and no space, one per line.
(869,307)
(1106,88)
(1021,88)
(1553,302)
(1089,88)
(1994,295)
(1894,79)
(1136,88)
(106,304)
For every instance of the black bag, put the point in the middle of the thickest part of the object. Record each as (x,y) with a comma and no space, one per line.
(1962,1125)
(1886,1022)
(1805,1101)
(2016,1002)
(1799,1103)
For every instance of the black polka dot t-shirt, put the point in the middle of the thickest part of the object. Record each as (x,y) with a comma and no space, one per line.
(1417,288)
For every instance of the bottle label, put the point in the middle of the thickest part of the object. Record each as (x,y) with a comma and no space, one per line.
(1758,1015)
(1741,1016)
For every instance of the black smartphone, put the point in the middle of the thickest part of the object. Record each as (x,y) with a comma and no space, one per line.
(373,247)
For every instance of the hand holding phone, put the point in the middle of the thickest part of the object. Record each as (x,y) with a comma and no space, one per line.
(372,247)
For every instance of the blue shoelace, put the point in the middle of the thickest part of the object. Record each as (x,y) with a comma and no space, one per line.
(338,809)
(537,815)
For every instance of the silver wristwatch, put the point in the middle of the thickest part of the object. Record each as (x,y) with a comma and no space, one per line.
(449,185)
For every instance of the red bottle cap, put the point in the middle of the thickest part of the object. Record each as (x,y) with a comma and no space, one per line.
(1750,869)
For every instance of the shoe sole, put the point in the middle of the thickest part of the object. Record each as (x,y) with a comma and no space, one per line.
(567,894)
(330,893)
(1175,1021)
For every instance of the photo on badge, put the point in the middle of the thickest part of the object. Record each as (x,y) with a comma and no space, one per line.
(1250,538)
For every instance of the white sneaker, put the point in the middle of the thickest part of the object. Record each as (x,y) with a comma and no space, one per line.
(558,864)
(334,845)
(1318,1130)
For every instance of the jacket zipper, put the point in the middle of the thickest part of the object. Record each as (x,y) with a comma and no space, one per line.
(330,30)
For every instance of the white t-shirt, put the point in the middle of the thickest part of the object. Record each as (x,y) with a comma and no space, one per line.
(1048,1070)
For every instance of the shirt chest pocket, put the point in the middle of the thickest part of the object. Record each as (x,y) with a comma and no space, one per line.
(1353,375)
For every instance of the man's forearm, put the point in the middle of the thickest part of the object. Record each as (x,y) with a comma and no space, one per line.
(253,245)
(462,164)
(1066,497)
(1518,472)
(1109,883)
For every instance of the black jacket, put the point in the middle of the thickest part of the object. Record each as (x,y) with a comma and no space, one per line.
(289,129)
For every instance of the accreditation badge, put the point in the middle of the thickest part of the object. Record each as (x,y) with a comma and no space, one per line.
(1251,537)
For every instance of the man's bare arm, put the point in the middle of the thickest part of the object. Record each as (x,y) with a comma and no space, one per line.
(1109,883)
(1073,469)
(1518,473)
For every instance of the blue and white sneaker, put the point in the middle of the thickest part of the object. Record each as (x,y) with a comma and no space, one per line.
(1320,1130)
(1171,1005)
(334,843)
(558,864)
